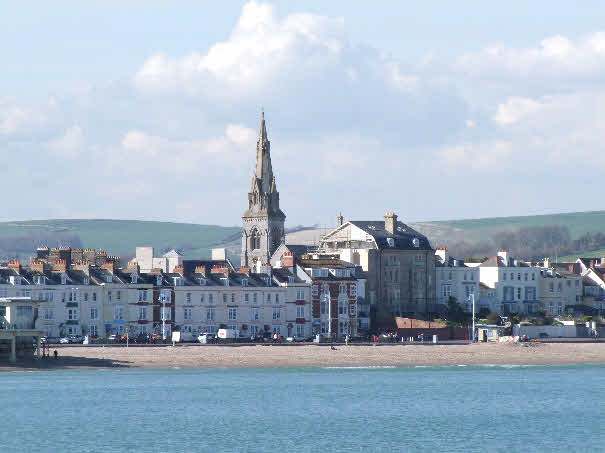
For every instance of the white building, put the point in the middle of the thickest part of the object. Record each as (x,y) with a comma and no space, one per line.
(455,279)
(514,284)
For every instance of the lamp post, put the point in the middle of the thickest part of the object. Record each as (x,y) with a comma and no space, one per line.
(473,332)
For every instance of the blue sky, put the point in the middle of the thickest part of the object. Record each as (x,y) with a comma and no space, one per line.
(436,110)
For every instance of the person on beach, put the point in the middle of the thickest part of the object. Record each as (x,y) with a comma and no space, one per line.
(56,354)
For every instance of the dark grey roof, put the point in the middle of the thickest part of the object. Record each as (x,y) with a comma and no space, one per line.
(403,237)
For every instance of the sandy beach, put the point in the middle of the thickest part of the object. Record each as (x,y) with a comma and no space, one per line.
(194,356)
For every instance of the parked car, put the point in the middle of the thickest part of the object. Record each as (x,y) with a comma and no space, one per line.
(297,339)
(112,338)
(75,338)
(63,340)
(206,338)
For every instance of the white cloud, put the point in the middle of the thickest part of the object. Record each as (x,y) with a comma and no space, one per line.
(556,58)
(515,108)
(240,134)
(69,144)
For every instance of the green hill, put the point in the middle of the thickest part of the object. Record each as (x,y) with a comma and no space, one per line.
(120,237)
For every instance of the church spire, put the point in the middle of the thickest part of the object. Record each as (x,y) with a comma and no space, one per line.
(263,171)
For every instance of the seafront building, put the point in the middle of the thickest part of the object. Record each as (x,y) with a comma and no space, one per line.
(456,279)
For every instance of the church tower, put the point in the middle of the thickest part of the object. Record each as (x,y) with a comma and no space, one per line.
(263,220)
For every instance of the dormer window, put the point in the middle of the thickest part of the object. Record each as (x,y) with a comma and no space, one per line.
(63,279)
(39,279)
(108,278)
(158,280)
(15,280)
(391,242)
(201,281)
(244,282)
(133,278)
(291,279)
(267,281)
(324,272)
(225,281)
(86,281)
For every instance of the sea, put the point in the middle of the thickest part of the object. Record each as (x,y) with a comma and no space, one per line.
(365,409)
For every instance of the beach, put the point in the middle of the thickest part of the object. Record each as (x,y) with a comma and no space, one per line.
(270,356)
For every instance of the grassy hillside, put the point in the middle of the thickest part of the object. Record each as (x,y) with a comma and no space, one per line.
(577,222)
(195,241)
(120,237)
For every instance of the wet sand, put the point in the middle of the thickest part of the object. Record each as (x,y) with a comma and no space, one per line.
(267,356)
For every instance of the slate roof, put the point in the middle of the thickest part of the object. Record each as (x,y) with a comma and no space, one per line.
(403,237)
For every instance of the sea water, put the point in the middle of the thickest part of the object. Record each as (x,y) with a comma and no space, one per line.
(432,409)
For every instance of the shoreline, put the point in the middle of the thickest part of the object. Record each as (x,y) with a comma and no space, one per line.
(286,356)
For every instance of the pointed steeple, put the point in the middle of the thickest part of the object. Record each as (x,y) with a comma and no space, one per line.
(263,170)
(263,220)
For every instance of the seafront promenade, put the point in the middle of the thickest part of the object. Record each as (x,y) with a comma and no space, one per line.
(270,356)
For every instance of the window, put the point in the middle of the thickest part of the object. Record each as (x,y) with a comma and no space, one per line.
(519,276)
(551,287)
(343,288)
(244,282)
(519,293)
(210,314)
(224,298)
(133,279)
(300,330)
(255,314)
(315,290)
(569,283)
(533,276)
(232,313)
(118,312)
(210,298)
(530,293)
(92,330)
(255,298)
(142,295)
(72,314)
(202,298)
(187,314)
(158,280)
(49,313)
(504,276)
(277,298)
(232,298)
(560,309)
(268,297)
(342,307)
(142,313)
(300,294)
(508,293)
(446,290)
(94,297)
(246,297)
(324,307)
(324,327)
(276,313)
(188,297)
(94,313)
(108,295)
(63,279)
(85,297)
(526,276)
(276,329)
(300,311)
(165,313)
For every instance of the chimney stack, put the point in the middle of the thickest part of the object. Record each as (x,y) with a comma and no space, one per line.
(15,265)
(441,252)
(504,255)
(340,219)
(390,222)
(287,259)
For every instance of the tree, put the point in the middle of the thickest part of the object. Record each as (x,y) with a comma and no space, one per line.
(455,313)
(494,318)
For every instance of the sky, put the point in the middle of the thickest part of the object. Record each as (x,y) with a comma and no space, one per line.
(149,110)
